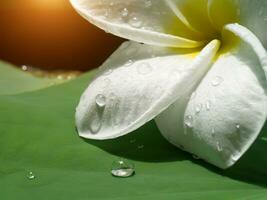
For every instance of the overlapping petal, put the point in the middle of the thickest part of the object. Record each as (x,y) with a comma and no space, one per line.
(150,22)
(251,14)
(127,94)
(228,109)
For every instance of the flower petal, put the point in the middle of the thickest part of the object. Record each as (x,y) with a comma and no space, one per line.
(251,14)
(228,109)
(193,13)
(150,22)
(128,93)
(254,16)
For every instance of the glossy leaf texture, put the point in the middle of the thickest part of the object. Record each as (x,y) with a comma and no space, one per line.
(37,133)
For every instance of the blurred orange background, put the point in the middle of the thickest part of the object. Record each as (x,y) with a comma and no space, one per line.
(49,34)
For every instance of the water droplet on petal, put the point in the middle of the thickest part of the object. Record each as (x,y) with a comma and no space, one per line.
(217,81)
(188,121)
(198,108)
(219,147)
(128,63)
(144,68)
(95,125)
(208,105)
(100,100)
(124,12)
(31,176)
(122,168)
(135,22)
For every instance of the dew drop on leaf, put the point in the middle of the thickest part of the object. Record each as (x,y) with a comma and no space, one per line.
(122,168)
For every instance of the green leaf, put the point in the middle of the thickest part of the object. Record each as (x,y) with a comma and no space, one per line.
(14,81)
(37,133)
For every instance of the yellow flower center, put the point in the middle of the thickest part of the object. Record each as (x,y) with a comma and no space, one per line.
(204,20)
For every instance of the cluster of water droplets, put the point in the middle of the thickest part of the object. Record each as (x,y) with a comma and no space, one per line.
(52,74)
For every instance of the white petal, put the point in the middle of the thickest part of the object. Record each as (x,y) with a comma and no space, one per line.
(228,109)
(254,16)
(150,22)
(249,13)
(125,95)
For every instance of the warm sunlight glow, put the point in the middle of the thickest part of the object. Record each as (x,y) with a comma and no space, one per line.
(49,3)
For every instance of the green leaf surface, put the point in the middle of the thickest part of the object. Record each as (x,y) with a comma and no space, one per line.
(37,133)
(14,81)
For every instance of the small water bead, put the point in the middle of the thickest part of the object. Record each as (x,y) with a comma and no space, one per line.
(141,146)
(135,22)
(217,81)
(100,100)
(24,67)
(144,68)
(188,121)
(122,168)
(219,147)
(129,63)
(31,176)
(198,108)
(208,105)
(237,126)
(124,12)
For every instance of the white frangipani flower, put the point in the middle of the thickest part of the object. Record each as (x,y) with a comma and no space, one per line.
(211,50)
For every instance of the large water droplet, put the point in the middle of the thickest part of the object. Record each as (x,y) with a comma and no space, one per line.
(135,22)
(95,125)
(122,168)
(188,121)
(100,100)
(217,81)
(31,176)
(144,68)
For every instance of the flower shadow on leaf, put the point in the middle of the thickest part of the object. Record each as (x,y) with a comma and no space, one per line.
(147,145)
